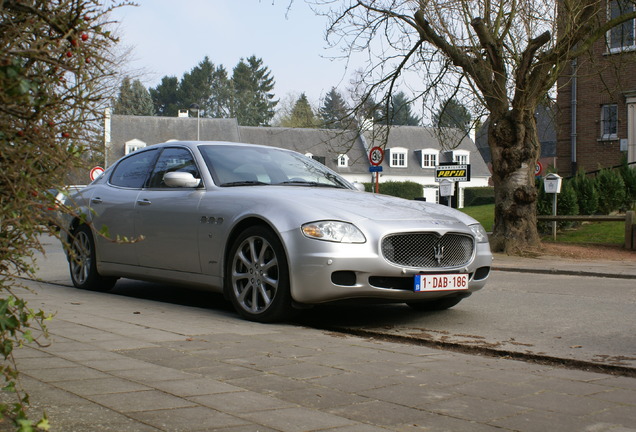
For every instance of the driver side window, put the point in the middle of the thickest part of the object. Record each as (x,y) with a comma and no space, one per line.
(172,159)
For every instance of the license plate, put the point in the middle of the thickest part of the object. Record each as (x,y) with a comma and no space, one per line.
(441,282)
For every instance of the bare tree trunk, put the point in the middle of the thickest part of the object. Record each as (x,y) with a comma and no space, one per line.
(514,146)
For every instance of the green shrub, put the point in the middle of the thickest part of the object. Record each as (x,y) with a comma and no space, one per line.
(567,204)
(611,188)
(476,196)
(629,178)
(407,189)
(586,193)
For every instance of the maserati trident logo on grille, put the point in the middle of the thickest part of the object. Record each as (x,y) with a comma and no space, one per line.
(439,253)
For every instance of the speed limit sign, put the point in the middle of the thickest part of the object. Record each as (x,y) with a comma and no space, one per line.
(376,156)
(96,172)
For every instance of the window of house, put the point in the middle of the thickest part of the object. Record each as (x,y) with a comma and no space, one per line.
(134,145)
(320,159)
(343,160)
(609,121)
(621,37)
(398,157)
(429,158)
(461,157)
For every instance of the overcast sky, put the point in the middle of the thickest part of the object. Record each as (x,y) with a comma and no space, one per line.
(171,37)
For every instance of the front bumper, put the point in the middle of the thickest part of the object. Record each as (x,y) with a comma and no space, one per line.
(322,272)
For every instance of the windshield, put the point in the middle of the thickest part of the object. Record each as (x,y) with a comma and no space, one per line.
(235,165)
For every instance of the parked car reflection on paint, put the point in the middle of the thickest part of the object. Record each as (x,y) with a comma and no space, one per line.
(273,230)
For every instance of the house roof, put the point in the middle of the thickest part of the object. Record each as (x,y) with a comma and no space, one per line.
(156,129)
(320,143)
(327,143)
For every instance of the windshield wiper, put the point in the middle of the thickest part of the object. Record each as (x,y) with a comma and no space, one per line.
(309,183)
(244,183)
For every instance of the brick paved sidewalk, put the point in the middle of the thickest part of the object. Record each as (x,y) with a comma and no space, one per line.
(125,364)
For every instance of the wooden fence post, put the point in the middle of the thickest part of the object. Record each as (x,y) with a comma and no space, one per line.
(630,231)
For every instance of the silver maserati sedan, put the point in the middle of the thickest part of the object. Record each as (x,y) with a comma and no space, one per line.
(271,229)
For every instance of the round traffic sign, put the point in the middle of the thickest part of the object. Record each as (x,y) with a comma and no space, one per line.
(376,156)
(538,168)
(96,172)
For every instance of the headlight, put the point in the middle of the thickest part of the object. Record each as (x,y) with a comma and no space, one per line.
(480,233)
(334,231)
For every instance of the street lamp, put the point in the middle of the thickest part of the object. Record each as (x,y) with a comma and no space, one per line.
(196,107)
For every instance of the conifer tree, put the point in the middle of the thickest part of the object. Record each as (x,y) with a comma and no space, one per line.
(452,114)
(165,97)
(334,112)
(301,116)
(399,112)
(253,102)
(133,99)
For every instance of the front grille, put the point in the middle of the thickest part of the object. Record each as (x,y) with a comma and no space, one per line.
(428,250)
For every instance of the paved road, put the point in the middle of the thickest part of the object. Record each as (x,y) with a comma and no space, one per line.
(581,318)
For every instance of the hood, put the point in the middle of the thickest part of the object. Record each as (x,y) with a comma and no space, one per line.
(352,206)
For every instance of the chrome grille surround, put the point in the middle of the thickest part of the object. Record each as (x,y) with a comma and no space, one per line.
(428,249)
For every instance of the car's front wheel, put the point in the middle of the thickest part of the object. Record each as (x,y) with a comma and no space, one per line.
(257,276)
(82,262)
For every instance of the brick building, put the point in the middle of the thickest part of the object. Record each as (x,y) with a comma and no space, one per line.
(596,122)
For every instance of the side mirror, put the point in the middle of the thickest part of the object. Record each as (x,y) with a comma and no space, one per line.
(178,179)
(358,186)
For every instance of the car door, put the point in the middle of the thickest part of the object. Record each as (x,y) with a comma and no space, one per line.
(168,218)
(113,206)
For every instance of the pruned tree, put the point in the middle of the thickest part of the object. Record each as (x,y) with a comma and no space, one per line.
(56,74)
(504,56)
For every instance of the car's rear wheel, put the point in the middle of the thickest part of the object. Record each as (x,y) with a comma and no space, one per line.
(82,262)
(257,276)
(435,305)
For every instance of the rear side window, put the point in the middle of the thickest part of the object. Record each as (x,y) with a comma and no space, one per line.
(133,171)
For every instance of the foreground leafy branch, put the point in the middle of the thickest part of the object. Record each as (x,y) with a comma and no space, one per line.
(56,70)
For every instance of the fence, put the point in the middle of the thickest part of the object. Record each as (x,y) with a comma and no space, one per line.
(628,217)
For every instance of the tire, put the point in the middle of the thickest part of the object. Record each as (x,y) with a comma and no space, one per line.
(257,276)
(82,262)
(435,305)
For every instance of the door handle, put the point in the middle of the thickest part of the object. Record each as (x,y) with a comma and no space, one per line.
(96,200)
(144,202)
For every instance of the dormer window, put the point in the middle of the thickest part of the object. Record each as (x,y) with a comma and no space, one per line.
(134,145)
(343,161)
(429,158)
(398,157)
(320,159)
(461,157)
